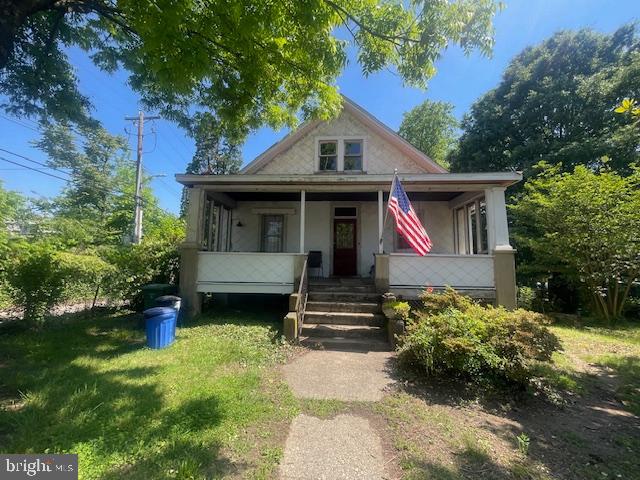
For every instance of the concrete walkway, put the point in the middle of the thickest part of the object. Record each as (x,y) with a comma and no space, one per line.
(345,447)
(347,376)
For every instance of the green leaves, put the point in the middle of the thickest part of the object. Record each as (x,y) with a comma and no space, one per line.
(431,127)
(248,63)
(555,103)
(589,223)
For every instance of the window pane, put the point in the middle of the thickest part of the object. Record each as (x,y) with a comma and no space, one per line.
(344,235)
(328,163)
(484,242)
(328,148)
(353,163)
(345,212)
(353,148)
(272,233)
(473,228)
(461,231)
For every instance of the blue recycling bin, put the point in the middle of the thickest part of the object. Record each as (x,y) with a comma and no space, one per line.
(160,325)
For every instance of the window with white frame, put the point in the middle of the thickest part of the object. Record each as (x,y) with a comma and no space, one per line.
(340,155)
(272,233)
(353,155)
(328,156)
(470,222)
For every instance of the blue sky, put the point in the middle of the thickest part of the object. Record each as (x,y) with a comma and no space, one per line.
(460,80)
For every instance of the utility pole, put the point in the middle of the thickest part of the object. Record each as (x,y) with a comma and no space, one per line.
(137,215)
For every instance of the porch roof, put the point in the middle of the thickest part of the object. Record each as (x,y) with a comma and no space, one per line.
(452,182)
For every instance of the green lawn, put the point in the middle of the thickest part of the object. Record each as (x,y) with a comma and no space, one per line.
(204,408)
(591,353)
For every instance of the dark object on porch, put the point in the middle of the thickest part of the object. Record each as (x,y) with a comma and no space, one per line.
(160,326)
(315,261)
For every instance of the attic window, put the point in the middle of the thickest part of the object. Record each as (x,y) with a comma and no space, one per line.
(328,154)
(353,155)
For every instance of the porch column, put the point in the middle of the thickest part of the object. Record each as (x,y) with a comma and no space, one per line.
(302,220)
(189,252)
(380,221)
(504,269)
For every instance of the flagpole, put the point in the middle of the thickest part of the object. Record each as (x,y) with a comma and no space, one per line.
(386,213)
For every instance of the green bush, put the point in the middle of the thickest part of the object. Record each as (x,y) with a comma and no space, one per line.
(152,261)
(454,336)
(40,277)
(526,297)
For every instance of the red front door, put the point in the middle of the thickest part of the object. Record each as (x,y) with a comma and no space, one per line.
(344,247)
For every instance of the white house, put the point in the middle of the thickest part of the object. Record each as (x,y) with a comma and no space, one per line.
(324,188)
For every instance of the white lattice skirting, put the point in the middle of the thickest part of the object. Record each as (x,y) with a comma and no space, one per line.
(234,272)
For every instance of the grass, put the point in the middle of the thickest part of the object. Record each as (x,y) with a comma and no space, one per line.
(616,350)
(206,407)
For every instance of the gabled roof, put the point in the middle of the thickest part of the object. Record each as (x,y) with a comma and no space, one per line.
(363,116)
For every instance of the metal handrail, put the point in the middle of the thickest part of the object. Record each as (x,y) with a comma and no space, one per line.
(301,301)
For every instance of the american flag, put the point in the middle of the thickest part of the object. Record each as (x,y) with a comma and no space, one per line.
(407,223)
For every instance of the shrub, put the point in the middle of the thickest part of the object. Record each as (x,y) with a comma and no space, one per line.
(400,310)
(39,276)
(453,335)
(152,261)
(526,297)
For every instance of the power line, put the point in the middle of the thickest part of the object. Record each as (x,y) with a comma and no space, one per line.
(20,123)
(35,169)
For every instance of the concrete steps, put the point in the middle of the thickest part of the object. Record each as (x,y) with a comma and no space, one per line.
(342,331)
(345,318)
(344,315)
(324,296)
(346,344)
(356,307)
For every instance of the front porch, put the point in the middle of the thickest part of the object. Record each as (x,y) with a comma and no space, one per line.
(253,234)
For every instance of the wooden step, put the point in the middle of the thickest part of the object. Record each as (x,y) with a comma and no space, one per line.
(354,307)
(345,318)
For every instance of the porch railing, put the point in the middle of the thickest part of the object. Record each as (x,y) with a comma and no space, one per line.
(462,272)
(301,300)
(246,272)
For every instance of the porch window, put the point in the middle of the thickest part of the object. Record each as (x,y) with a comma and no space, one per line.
(471,228)
(353,155)
(328,153)
(272,233)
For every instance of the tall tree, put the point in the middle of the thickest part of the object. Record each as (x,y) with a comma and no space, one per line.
(586,225)
(249,62)
(555,102)
(215,154)
(431,127)
(96,207)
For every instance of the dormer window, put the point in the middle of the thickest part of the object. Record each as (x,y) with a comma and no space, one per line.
(340,155)
(328,156)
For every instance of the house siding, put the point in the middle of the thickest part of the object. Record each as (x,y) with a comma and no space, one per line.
(436,217)
(380,156)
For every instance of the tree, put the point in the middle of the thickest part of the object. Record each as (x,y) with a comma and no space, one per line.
(249,62)
(215,155)
(431,127)
(586,225)
(96,207)
(555,103)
